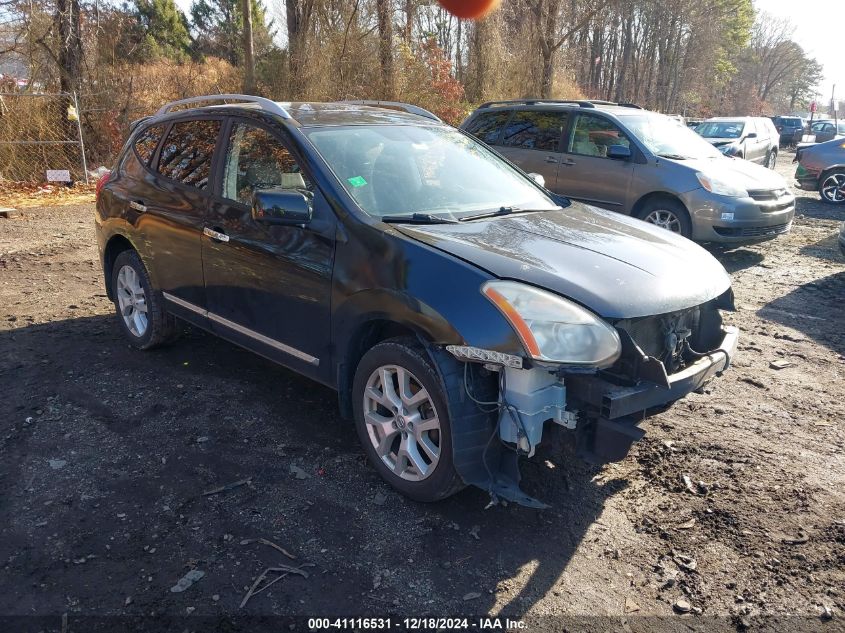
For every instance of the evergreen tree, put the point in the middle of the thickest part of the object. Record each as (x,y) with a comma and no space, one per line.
(164,29)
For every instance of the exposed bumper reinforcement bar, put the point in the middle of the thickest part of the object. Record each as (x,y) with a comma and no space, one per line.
(615,401)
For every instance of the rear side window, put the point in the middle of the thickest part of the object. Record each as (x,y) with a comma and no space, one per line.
(147,141)
(487,127)
(535,130)
(187,152)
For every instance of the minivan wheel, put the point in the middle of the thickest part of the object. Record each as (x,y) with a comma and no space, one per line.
(140,309)
(667,214)
(772,159)
(402,419)
(832,187)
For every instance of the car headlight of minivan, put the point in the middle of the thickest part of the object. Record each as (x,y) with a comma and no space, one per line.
(720,187)
(553,329)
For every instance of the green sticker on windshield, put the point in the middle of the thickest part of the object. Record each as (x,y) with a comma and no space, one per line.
(357,181)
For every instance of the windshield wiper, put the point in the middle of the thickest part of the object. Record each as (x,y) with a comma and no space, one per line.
(673,156)
(417,218)
(505,211)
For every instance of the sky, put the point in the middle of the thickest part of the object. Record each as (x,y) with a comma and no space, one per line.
(819,30)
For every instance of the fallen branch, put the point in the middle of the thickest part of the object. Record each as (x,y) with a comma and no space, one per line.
(227,487)
(283,569)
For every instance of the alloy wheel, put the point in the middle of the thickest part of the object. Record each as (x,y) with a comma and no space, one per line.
(772,160)
(833,188)
(665,219)
(132,301)
(402,422)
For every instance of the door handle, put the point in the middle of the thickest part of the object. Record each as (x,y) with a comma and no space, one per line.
(551,159)
(217,236)
(568,162)
(138,205)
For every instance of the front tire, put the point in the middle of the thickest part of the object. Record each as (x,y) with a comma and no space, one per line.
(140,308)
(667,214)
(832,187)
(402,419)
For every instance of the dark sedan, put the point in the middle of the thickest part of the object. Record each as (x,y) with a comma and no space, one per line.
(821,168)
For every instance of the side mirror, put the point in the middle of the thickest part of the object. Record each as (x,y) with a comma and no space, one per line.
(538,178)
(619,152)
(285,207)
(751,135)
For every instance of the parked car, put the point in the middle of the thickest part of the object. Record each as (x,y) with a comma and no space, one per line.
(821,167)
(790,128)
(694,123)
(459,309)
(827,130)
(640,163)
(751,138)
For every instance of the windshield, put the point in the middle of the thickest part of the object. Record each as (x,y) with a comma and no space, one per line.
(668,138)
(402,170)
(720,129)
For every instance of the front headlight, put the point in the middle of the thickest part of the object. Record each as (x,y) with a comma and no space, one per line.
(553,329)
(720,187)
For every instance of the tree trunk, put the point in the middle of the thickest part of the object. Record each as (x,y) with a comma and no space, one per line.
(410,12)
(385,32)
(70,45)
(249,51)
(299,20)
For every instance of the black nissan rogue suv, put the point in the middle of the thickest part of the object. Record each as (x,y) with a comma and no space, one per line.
(459,309)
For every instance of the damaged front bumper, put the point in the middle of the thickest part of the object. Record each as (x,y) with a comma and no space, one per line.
(601,412)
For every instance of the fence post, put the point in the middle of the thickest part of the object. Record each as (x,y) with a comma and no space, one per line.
(81,142)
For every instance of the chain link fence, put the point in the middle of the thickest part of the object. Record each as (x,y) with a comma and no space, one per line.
(40,133)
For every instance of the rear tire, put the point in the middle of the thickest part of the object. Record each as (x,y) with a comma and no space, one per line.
(667,214)
(772,159)
(140,308)
(832,187)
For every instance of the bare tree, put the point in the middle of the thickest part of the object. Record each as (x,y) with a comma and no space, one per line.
(384,10)
(249,51)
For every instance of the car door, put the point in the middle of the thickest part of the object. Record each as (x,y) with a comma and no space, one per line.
(532,140)
(173,205)
(268,287)
(586,173)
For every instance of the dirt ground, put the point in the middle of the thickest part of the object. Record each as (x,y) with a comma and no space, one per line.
(106,453)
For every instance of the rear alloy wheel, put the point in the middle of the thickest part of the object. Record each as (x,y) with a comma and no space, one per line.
(832,187)
(402,419)
(667,214)
(772,159)
(139,307)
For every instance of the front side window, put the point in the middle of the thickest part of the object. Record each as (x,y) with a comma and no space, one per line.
(255,159)
(535,130)
(147,141)
(187,152)
(593,135)
(399,170)
(487,127)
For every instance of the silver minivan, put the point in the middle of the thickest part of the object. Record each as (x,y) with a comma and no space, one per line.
(640,163)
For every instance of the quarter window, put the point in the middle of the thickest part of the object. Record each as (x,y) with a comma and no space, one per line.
(535,130)
(593,135)
(147,141)
(255,159)
(187,152)
(487,127)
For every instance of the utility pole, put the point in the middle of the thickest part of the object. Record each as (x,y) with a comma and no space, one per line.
(249,50)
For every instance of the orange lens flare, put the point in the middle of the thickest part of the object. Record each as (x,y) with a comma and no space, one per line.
(515,320)
(469,9)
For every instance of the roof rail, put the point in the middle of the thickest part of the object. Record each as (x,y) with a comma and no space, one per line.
(392,105)
(583,103)
(266,104)
(579,102)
